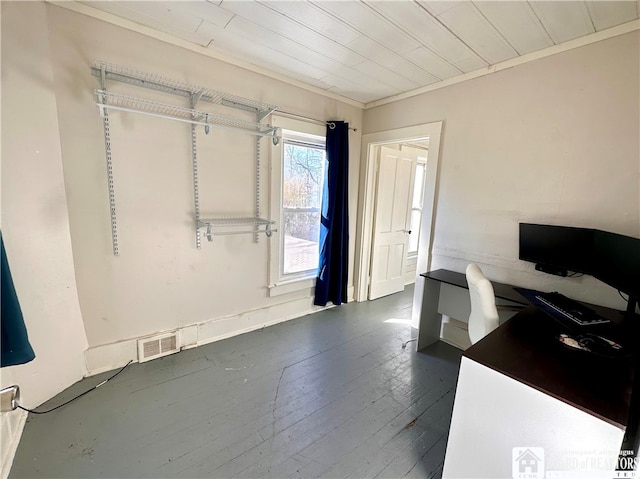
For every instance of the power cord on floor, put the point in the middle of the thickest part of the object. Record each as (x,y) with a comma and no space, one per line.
(79,395)
(404,345)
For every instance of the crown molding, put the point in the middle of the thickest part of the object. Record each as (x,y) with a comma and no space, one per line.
(547,52)
(212,53)
(92,12)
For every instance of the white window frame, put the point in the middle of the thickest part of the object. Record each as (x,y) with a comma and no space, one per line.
(278,282)
(420,161)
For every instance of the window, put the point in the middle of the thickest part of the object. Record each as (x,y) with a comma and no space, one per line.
(298,166)
(303,171)
(416,207)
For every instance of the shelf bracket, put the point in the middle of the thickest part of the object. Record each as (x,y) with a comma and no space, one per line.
(103,87)
(238,105)
(195,98)
(261,115)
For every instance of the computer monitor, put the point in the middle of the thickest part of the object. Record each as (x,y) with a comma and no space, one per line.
(557,249)
(612,258)
(617,260)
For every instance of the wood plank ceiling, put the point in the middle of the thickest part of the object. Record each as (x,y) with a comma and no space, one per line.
(367,51)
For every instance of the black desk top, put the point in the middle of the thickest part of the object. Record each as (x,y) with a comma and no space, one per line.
(501,290)
(526,349)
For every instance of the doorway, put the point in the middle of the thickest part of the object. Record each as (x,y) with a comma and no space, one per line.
(397,208)
(371,145)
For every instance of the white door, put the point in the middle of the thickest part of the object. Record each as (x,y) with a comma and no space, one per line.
(394,184)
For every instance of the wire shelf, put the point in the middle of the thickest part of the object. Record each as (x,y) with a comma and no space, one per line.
(234,221)
(158,82)
(221,226)
(117,101)
(107,101)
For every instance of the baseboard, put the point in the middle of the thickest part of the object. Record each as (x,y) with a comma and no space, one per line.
(11,424)
(107,357)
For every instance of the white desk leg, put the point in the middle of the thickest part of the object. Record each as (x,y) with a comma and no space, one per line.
(430,319)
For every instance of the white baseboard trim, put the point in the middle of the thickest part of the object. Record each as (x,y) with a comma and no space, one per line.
(107,357)
(12,424)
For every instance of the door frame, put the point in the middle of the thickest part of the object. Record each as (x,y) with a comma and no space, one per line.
(370,141)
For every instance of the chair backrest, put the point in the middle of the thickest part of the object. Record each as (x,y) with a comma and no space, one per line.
(484,314)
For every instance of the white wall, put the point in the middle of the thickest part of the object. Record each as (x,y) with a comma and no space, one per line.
(35,224)
(553,141)
(161,281)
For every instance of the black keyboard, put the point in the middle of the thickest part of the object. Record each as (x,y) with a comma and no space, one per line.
(567,308)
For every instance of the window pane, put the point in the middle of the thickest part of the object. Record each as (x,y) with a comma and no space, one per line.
(300,252)
(418,186)
(303,179)
(415,231)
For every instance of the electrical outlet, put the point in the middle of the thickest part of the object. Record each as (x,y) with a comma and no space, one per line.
(9,397)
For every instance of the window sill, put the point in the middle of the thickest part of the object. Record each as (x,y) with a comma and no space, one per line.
(291,286)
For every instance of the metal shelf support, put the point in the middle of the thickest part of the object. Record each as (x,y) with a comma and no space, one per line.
(194,166)
(110,183)
(112,101)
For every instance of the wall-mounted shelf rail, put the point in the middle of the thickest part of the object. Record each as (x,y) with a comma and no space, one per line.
(156,82)
(227,226)
(110,101)
(116,101)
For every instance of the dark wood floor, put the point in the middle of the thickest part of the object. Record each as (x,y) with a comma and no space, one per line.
(332,394)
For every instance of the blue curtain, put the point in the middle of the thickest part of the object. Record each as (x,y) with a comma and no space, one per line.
(331,284)
(14,344)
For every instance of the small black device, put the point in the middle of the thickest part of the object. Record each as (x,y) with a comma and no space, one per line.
(593,344)
(545,268)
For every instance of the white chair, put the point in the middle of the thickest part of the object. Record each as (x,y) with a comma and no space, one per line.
(484,313)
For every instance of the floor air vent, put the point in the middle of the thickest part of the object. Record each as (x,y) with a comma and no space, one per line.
(158,346)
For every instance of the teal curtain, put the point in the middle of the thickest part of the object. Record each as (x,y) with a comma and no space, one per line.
(14,345)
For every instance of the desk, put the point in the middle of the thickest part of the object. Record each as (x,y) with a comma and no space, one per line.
(430,311)
(430,317)
(519,387)
(525,348)
(497,419)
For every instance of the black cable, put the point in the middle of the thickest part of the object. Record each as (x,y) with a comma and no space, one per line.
(620,293)
(79,395)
